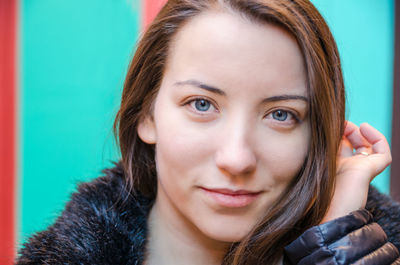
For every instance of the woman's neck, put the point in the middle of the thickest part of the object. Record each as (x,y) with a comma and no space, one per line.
(174,240)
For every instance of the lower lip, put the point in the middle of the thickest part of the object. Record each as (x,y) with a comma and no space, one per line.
(232,201)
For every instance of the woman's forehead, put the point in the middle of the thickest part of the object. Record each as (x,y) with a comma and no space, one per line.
(228,50)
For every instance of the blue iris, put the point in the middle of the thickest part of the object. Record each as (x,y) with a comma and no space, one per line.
(202,105)
(280,115)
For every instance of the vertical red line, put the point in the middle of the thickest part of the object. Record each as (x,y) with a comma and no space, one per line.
(8,48)
(150,10)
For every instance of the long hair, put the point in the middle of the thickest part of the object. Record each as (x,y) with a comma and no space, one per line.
(306,199)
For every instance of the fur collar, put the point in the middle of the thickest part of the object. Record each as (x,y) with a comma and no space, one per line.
(115,230)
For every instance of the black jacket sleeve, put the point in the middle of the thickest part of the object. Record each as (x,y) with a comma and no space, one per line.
(386,213)
(351,239)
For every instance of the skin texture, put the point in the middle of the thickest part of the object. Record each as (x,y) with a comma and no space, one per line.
(238,143)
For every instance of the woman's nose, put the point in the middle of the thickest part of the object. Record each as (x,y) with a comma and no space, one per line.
(235,155)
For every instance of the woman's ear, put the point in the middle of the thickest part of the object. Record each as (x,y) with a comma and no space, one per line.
(146,130)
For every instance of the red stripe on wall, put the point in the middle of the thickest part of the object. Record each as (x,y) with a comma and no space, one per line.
(8,16)
(151,8)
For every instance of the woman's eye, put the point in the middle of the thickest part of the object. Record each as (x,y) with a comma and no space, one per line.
(280,115)
(201,105)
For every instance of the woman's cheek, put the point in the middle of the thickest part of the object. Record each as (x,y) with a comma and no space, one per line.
(181,149)
(285,154)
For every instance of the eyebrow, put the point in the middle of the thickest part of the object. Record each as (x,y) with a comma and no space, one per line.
(202,86)
(218,91)
(285,98)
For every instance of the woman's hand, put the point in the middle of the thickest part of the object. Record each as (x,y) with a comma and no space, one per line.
(363,154)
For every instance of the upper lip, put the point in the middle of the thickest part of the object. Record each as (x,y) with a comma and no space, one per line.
(232,192)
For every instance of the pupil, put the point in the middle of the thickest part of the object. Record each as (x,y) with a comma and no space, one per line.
(280,115)
(202,105)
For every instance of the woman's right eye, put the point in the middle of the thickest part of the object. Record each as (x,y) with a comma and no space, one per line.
(201,105)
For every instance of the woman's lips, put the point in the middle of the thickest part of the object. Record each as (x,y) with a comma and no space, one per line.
(231,199)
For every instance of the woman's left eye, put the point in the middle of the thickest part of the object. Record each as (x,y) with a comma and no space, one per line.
(281,115)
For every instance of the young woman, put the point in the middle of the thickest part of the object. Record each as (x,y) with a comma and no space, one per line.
(234,149)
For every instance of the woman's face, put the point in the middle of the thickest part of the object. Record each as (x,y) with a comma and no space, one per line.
(230,124)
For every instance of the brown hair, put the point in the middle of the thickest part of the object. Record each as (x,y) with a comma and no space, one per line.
(306,200)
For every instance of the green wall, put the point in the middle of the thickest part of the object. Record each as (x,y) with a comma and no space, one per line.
(73,58)
(74,55)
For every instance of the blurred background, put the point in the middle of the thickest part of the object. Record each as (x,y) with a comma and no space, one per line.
(62,67)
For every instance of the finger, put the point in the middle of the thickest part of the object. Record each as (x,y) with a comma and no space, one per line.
(380,147)
(356,139)
(375,138)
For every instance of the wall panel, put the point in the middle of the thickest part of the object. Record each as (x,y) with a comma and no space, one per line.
(74,57)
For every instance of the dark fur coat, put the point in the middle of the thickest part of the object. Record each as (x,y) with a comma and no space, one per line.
(98,227)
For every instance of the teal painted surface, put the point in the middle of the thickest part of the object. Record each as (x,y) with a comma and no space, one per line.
(364,31)
(74,56)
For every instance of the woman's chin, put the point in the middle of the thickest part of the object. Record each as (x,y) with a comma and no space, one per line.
(227,232)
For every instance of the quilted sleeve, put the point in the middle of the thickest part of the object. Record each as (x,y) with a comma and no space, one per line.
(351,239)
(386,212)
